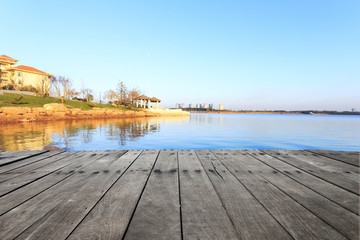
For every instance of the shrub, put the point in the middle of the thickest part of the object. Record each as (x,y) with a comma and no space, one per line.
(9,87)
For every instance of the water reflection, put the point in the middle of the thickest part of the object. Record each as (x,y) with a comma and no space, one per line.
(67,135)
(197,131)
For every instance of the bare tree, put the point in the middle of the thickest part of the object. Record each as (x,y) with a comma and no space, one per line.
(122,93)
(133,94)
(55,88)
(88,94)
(68,91)
(110,95)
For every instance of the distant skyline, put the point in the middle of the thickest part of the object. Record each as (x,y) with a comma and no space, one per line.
(248,55)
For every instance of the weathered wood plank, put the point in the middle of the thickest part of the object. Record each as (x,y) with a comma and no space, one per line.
(297,220)
(111,216)
(352,158)
(346,170)
(63,219)
(332,177)
(25,215)
(14,156)
(340,196)
(203,215)
(19,196)
(80,201)
(28,177)
(344,221)
(35,165)
(250,218)
(27,161)
(159,205)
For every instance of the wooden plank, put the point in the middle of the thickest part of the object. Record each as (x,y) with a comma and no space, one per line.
(344,221)
(203,215)
(111,216)
(35,165)
(297,220)
(250,218)
(352,158)
(346,170)
(28,161)
(332,177)
(338,195)
(63,219)
(28,177)
(159,205)
(29,191)
(14,156)
(39,207)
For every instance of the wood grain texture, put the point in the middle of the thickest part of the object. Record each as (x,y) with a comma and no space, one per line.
(111,216)
(14,156)
(159,205)
(21,195)
(47,158)
(346,170)
(15,165)
(352,158)
(23,216)
(338,195)
(203,215)
(28,177)
(224,194)
(250,218)
(344,221)
(61,220)
(297,220)
(331,176)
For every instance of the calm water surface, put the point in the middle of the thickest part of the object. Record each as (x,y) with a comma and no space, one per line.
(198,131)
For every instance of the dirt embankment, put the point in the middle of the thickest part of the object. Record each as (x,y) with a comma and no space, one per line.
(55,111)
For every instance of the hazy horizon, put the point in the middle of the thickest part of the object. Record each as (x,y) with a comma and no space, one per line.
(247,55)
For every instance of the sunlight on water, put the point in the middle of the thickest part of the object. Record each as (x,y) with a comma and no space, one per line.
(199,131)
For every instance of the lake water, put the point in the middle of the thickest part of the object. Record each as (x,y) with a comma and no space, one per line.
(197,131)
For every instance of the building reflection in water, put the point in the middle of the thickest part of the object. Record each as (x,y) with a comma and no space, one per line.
(66,134)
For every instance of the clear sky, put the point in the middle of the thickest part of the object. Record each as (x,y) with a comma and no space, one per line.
(259,54)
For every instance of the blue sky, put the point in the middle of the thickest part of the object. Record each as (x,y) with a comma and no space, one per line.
(291,55)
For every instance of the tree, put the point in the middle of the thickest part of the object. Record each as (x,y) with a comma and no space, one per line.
(61,87)
(88,94)
(133,94)
(55,88)
(110,95)
(122,93)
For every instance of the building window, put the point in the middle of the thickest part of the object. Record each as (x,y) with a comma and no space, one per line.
(19,77)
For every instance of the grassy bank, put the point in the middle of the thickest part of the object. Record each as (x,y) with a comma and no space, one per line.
(9,100)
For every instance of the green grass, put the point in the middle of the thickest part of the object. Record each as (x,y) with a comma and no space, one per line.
(32,101)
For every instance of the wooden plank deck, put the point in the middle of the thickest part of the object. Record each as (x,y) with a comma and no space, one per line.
(179,194)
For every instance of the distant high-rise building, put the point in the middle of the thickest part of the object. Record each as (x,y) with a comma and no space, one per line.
(182,105)
(211,106)
(198,105)
(190,105)
(204,105)
(221,106)
(353,109)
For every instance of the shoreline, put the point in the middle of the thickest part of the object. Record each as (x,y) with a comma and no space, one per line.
(55,112)
(274,112)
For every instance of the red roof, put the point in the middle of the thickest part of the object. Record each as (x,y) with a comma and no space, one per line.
(29,69)
(7,57)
